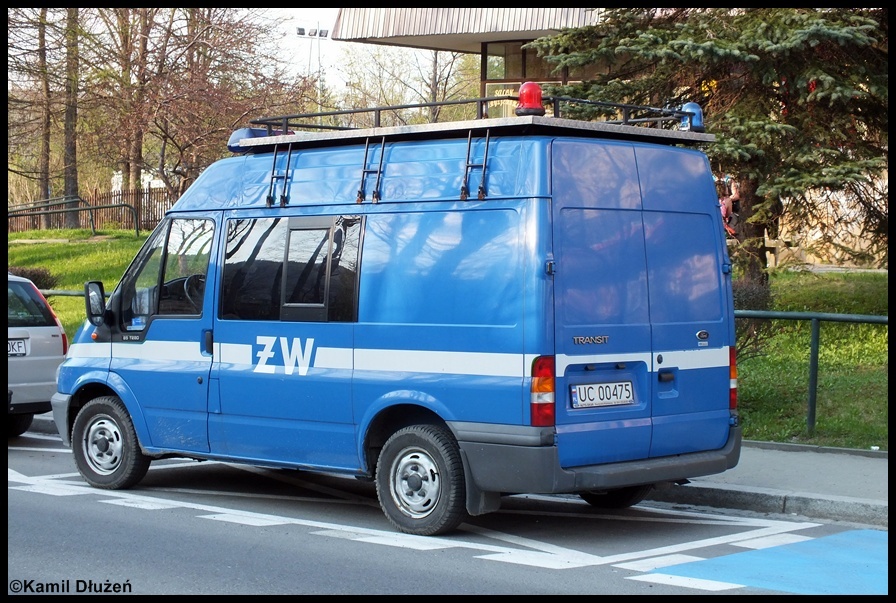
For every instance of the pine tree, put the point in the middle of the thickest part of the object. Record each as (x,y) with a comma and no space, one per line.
(797,99)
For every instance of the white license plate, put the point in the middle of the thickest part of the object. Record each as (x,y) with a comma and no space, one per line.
(16,347)
(590,395)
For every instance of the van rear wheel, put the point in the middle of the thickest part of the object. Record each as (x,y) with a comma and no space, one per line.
(619,498)
(105,446)
(420,481)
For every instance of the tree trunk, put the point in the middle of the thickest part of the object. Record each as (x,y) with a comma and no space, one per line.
(70,145)
(751,247)
(43,162)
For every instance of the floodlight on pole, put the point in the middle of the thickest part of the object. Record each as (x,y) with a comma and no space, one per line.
(315,33)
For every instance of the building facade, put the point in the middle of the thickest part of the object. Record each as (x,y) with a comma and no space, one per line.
(497,35)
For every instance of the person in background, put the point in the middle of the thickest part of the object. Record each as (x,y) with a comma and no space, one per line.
(729,200)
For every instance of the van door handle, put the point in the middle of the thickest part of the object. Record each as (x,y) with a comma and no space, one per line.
(209,341)
(666,376)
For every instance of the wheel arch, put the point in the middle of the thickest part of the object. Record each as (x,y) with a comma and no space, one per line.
(391,419)
(387,422)
(91,390)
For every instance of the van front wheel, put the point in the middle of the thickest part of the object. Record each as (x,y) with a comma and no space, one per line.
(420,481)
(105,446)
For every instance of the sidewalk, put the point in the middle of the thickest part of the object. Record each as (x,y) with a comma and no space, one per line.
(817,483)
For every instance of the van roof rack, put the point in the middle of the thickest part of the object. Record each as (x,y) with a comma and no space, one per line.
(534,114)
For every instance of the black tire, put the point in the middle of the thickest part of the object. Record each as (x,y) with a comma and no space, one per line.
(420,481)
(105,446)
(16,425)
(619,498)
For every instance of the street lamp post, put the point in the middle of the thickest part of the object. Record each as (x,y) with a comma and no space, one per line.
(318,34)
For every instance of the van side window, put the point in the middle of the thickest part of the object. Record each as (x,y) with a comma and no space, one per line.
(343,289)
(169,275)
(306,268)
(301,269)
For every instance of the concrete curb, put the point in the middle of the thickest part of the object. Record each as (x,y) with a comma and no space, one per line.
(766,500)
(811,448)
(707,492)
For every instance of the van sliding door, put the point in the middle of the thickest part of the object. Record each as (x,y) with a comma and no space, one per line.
(284,340)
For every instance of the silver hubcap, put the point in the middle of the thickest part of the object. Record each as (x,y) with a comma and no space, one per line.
(416,483)
(103,445)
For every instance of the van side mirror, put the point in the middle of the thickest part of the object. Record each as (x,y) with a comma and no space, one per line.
(95,302)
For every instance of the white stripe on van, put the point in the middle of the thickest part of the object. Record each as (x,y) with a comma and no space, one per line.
(681,359)
(408,361)
(329,358)
(455,363)
(185,351)
(411,361)
(333,358)
(695,359)
(564,361)
(233,353)
(88,350)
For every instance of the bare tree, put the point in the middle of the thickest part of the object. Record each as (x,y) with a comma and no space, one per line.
(43,167)
(160,90)
(70,145)
(140,89)
(35,61)
(388,76)
(219,69)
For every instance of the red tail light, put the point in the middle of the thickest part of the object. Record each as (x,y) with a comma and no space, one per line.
(732,376)
(541,397)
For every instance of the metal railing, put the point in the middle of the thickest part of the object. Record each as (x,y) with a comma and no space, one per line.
(44,208)
(622,113)
(816,319)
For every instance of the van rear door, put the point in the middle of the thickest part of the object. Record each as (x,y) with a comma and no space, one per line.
(639,304)
(691,309)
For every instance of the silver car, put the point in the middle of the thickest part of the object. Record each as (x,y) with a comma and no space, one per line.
(36,344)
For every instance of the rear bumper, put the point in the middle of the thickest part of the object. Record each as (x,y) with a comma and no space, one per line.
(514,468)
(25,408)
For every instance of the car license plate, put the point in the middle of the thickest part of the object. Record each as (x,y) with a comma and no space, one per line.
(16,347)
(590,395)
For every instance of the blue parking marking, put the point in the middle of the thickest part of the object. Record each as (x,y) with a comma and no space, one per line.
(853,562)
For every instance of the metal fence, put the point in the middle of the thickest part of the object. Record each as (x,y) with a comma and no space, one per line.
(137,209)
(816,318)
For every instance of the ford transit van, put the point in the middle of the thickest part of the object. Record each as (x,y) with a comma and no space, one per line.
(456,311)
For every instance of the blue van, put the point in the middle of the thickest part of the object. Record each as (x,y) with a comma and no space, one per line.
(457,311)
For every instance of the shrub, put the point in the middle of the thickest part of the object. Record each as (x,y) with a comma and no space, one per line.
(752,333)
(41,277)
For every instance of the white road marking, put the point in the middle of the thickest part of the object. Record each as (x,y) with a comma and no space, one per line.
(653,563)
(244,520)
(695,583)
(141,504)
(515,549)
(770,541)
